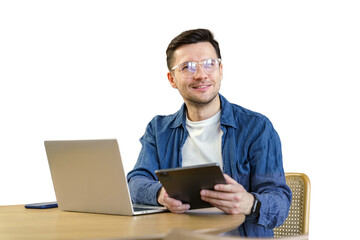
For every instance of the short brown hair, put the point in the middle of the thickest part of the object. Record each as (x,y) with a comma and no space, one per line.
(189,37)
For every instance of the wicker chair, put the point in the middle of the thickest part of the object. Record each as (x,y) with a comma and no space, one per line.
(297,223)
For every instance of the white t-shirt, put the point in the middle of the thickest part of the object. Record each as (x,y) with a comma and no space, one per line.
(203,145)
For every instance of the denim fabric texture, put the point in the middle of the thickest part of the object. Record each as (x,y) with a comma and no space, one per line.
(251,152)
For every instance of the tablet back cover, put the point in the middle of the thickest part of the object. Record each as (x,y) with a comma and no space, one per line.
(185,183)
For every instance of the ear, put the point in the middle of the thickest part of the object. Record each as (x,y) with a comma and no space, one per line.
(221,71)
(171,80)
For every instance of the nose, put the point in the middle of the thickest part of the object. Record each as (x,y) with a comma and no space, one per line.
(200,72)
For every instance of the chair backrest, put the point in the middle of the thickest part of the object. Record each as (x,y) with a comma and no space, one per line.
(297,223)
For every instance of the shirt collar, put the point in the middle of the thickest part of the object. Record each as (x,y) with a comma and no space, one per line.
(227,115)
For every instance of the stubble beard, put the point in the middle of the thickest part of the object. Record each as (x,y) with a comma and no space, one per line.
(193,101)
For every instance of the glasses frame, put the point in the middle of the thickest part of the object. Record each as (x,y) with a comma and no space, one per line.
(201,63)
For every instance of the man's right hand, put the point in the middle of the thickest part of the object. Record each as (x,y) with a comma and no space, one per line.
(171,204)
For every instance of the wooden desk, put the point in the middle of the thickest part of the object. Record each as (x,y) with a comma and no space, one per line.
(16,222)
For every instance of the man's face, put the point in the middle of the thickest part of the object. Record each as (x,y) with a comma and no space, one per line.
(201,88)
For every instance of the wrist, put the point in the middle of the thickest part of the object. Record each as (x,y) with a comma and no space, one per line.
(255,208)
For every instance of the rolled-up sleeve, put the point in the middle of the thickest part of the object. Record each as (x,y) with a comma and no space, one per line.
(143,183)
(268,179)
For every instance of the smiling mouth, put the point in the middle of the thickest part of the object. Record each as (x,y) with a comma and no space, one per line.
(202,86)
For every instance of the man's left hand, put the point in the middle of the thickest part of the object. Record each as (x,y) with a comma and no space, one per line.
(231,198)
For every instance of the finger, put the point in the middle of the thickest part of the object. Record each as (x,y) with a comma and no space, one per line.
(231,211)
(175,205)
(226,193)
(226,206)
(227,200)
(230,188)
(180,209)
(172,202)
(217,202)
(230,179)
(209,194)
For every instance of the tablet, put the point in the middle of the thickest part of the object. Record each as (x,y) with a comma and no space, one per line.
(185,183)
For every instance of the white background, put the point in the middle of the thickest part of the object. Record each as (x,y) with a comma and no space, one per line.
(96,69)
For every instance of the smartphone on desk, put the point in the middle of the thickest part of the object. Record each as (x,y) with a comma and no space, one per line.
(42,205)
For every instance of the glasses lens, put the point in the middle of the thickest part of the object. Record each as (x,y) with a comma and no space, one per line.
(188,68)
(210,65)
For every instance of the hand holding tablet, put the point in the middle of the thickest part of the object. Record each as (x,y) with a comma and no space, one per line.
(185,183)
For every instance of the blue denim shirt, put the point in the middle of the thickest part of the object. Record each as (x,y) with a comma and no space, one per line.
(251,152)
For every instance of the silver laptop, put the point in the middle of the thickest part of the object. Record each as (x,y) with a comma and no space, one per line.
(88,176)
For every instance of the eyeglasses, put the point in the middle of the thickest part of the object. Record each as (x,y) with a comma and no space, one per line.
(189,69)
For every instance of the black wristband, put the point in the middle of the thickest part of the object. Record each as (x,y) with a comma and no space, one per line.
(255,209)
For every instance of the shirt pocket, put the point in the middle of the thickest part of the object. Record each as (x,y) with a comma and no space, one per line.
(242,174)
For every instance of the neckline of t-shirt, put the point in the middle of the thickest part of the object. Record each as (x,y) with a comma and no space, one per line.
(209,121)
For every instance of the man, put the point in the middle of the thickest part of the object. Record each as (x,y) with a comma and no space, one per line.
(210,129)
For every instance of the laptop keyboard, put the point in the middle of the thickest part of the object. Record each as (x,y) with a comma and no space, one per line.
(139,209)
(144,207)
